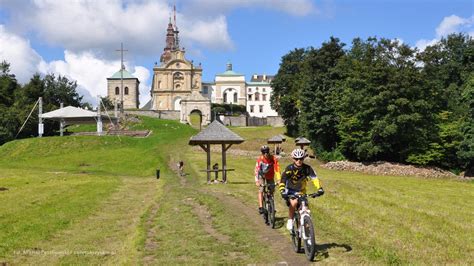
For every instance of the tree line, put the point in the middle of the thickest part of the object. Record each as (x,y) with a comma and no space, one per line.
(17,101)
(381,99)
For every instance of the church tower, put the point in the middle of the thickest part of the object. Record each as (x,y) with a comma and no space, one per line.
(177,82)
(175,78)
(130,89)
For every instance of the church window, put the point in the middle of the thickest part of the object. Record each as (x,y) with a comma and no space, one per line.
(126,90)
(251,108)
(257,96)
(260,107)
(117,90)
(264,97)
(250,97)
(235,97)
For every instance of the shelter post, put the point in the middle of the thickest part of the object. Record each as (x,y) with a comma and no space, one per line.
(99,118)
(40,119)
(61,122)
(224,166)
(208,165)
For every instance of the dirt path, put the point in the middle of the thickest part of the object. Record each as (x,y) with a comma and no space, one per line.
(274,238)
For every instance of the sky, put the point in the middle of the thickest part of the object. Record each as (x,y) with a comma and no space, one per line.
(79,38)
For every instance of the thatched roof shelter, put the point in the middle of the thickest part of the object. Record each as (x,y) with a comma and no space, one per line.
(216,133)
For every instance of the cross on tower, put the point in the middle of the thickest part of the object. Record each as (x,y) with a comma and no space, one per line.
(122,67)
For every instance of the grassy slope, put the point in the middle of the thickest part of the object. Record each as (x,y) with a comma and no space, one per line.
(71,192)
(382,219)
(99,194)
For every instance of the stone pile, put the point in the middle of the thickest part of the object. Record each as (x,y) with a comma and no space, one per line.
(385,168)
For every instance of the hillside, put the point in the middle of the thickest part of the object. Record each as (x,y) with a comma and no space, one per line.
(97,200)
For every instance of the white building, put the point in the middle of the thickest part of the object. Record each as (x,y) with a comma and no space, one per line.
(231,87)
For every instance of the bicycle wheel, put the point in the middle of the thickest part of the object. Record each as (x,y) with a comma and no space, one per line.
(265,209)
(271,212)
(309,241)
(295,237)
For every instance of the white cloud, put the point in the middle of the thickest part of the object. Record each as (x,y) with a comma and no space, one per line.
(101,26)
(86,68)
(24,61)
(422,44)
(91,73)
(204,32)
(453,24)
(450,24)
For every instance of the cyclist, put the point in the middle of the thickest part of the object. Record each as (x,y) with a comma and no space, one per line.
(266,167)
(293,181)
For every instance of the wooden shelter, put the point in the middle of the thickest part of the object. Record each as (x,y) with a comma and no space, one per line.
(302,141)
(216,133)
(276,140)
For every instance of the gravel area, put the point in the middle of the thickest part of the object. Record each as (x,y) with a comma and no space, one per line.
(386,168)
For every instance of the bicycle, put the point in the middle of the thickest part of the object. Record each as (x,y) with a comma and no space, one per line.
(268,203)
(303,228)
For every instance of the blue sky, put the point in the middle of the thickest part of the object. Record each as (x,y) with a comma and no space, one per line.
(78,38)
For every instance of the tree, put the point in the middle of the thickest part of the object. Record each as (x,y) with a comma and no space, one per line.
(287,85)
(319,95)
(8,86)
(385,113)
(466,147)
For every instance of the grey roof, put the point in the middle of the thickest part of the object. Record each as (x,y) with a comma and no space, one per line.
(302,141)
(229,73)
(215,133)
(126,75)
(275,139)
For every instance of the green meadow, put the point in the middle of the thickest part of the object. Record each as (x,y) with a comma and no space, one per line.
(96,200)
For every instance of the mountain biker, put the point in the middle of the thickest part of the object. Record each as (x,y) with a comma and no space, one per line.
(293,181)
(266,167)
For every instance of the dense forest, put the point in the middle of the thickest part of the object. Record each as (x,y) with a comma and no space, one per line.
(17,101)
(381,99)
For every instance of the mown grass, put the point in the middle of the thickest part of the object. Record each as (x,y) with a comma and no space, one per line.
(100,194)
(368,218)
(67,195)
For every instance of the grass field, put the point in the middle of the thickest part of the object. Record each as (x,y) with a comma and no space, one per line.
(96,200)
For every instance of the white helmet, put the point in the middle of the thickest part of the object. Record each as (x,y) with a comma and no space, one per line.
(298,154)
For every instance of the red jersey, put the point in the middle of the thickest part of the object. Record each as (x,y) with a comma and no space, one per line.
(269,168)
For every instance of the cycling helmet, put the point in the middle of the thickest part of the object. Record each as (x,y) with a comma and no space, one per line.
(265,149)
(298,154)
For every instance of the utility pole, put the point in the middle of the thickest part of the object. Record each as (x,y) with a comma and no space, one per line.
(122,67)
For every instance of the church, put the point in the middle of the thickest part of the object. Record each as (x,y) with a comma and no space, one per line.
(177,86)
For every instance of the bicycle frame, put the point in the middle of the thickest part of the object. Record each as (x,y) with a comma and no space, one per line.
(303,228)
(303,212)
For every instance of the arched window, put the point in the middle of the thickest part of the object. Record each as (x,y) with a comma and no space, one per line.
(117,91)
(126,90)
(235,97)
